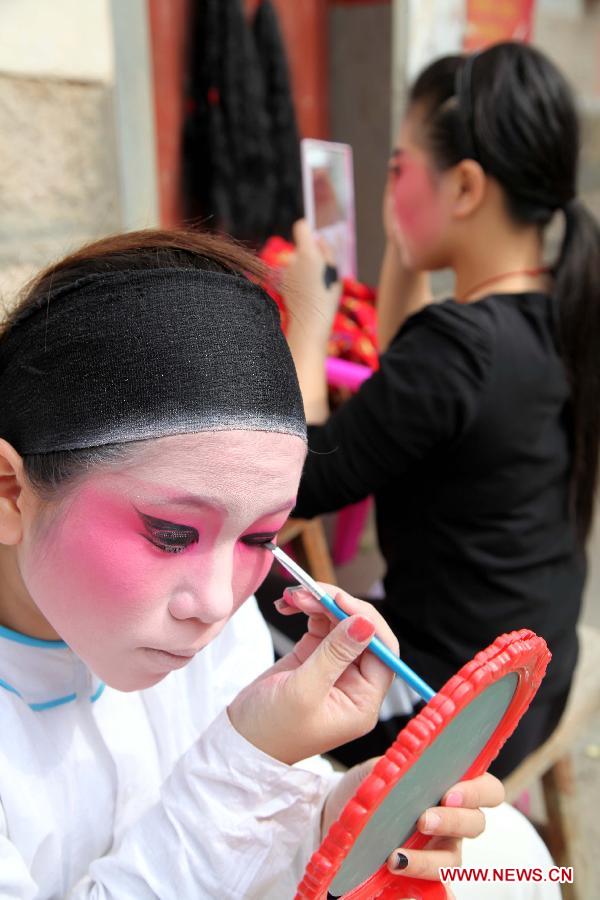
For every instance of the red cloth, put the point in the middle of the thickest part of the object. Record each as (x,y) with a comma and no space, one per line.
(354,333)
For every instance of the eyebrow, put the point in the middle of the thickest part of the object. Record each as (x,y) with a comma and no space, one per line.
(196,500)
(188,500)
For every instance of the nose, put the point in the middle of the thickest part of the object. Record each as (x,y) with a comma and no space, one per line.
(205,592)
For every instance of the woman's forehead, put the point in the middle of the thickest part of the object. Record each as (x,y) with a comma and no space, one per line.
(409,137)
(216,466)
(250,477)
(264,447)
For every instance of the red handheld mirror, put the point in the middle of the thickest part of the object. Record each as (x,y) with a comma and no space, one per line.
(456,736)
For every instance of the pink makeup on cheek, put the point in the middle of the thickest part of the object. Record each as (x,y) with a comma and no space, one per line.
(99,584)
(99,555)
(251,565)
(252,562)
(415,203)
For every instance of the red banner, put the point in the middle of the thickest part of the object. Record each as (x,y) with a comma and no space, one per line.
(491,21)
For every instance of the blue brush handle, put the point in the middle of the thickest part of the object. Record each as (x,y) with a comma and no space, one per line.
(385,654)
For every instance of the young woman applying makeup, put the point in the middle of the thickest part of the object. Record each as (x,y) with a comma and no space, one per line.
(478,436)
(152,437)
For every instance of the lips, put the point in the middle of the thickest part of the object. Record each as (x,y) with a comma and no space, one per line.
(165,661)
(188,654)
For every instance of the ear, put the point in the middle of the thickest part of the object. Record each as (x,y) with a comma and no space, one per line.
(470,187)
(11,482)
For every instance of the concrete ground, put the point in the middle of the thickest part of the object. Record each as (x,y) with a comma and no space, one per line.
(587,750)
(587,770)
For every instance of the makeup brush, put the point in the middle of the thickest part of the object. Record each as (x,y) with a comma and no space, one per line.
(375,645)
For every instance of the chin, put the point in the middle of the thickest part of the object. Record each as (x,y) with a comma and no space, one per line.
(129,682)
(422,258)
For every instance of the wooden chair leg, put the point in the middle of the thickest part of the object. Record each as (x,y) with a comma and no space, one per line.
(565,839)
(317,554)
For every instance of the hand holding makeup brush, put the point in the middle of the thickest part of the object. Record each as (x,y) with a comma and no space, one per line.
(326,691)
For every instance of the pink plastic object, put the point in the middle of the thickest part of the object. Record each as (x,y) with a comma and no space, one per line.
(351,520)
(349,526)
(342,373)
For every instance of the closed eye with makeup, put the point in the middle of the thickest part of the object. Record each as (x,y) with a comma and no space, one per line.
(174,537)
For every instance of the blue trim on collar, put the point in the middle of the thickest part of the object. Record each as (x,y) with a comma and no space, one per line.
(19,638)
(9,687)
(98,693)
(50,704)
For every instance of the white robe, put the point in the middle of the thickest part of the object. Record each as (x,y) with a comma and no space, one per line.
(111,795)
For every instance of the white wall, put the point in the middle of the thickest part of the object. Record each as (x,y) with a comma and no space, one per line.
(65,39)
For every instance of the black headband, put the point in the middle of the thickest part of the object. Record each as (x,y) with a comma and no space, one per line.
(125,356)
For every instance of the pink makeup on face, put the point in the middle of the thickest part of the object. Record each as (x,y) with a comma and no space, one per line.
(145,564)
(416,202)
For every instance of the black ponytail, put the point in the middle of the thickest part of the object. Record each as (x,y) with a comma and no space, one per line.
(577,287)
(510,109)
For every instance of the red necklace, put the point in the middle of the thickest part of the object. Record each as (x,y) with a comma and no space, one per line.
(532,273)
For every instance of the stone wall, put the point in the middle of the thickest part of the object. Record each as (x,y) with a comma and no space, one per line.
(58,172)
(58,180)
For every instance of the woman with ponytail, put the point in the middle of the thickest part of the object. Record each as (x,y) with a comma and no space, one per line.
(478,435)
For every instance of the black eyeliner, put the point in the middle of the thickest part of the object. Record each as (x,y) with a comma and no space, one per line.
(173,535)
(166,535)
(259,538)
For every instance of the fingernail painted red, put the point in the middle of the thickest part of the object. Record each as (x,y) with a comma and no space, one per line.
(288,597)
(361,629)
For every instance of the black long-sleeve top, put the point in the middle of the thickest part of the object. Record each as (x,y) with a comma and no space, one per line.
(463,438)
